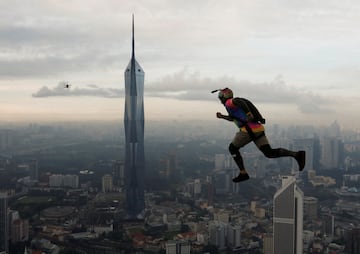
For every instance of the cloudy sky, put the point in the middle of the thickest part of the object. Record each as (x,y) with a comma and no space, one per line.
(299,61)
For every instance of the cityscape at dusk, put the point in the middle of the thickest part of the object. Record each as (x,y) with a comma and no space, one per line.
(110,142)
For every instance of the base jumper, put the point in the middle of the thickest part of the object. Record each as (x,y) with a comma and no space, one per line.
(250,123)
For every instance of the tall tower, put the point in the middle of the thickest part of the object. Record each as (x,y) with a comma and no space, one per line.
(134,135)
(4,223)
(288,218)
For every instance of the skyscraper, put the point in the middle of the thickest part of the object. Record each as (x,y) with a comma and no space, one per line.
(134,135)
(4,222)
(288,218)
(309,145)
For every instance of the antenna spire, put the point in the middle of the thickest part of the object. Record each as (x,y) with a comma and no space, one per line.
(133,40)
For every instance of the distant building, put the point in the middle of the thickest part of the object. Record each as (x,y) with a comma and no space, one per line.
(288,218)
(178,247)
(353,241)
(19,228)
(217,234)
(221,181)
(107,183)
(58,180)
(118,173)
(268,246)
(223,161)
(310,208)
(309,145)
(332,152)
(234,236)
(6,139)
(4,222)
(33,170)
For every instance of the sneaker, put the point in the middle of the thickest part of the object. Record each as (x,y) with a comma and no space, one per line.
(300,158)
(240,178)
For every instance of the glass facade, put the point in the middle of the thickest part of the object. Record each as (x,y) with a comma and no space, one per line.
(134,137)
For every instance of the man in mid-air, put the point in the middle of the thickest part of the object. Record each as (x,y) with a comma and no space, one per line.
(250,124)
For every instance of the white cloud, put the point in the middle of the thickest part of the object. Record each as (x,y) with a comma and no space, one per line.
(91,90)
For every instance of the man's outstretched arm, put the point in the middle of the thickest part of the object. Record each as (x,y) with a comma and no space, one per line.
(226,117)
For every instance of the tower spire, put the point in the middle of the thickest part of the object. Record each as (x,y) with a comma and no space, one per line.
(133,39)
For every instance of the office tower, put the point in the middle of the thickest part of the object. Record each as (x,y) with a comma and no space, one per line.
(221,181)
(309,146)
(332,152)
(107,183)
(19,228)
(217,234)
(6,139)
(134,136)
(118,173)
(177,247)
(310,208)
(288,218)
(353,241)
(234,236)
(197,188)
(4,223)
(33,170)
(328,224)
(223,161)
(268,246)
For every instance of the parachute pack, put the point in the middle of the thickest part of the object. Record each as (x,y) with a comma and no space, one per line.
(251,111)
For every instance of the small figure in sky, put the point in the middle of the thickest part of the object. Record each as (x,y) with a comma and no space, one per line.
(250,123)
(67,85)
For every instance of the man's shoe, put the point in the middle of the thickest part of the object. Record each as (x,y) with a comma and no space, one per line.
(241,178)
(300,158)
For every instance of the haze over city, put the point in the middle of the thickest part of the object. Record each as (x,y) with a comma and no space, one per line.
(297,61)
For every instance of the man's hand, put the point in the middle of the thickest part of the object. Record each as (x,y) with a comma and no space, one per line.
(221,116)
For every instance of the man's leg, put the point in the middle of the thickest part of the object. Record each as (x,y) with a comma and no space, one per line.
(281,152)
(239,141)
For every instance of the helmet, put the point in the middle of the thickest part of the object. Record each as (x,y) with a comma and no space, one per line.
(225,94)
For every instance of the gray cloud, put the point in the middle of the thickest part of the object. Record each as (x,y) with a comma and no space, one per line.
(90,90)
(191,86)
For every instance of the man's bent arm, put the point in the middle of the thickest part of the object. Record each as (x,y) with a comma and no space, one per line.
(229,118)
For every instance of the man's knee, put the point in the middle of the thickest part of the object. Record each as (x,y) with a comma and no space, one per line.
(267,151)
(233,149)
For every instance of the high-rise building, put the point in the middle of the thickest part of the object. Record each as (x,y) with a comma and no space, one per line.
(217,234)
(134,136)
(19,228)
(234,236)
(353,241)
(309,145)
(332,152)
(107,183)
(33,170)
(310,208)
(118,173)
(177,247)
(4,223)
(288,218)
(268,246)
(221,181)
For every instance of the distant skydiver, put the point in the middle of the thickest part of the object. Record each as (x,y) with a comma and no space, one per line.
(67,85)
(250,123)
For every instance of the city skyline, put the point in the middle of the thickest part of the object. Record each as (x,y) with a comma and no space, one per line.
(297,61)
